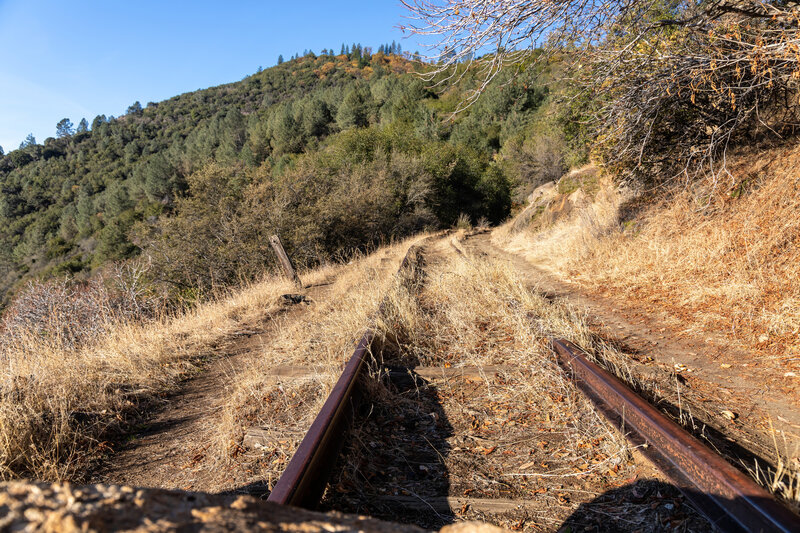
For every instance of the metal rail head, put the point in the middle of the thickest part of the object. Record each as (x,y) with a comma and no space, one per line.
(303,482)
(305,477)
(725,496)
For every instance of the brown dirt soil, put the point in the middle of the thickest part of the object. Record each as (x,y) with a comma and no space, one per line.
(169,449)
(693,379)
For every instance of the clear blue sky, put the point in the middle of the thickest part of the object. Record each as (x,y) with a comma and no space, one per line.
(80,58)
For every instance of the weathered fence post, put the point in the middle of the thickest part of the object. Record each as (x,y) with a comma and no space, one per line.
(286,263)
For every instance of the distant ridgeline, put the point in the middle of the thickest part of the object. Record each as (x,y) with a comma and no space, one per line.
(334,152)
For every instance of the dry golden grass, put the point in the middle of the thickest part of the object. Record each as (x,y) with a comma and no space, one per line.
(322,342)
(719,260)
(470,311)
(57,404)
(476,311)
(730,265)
(527,434)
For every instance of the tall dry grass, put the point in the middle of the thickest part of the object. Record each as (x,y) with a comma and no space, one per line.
(724,260)
(59,399)
(321,343)
(460,311)
(470,311)
(718,260)
(478,311)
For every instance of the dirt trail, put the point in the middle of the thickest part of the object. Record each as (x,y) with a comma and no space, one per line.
(657,351)
(169,450)
(501,447)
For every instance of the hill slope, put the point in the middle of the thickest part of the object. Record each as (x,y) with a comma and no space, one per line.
(316,140)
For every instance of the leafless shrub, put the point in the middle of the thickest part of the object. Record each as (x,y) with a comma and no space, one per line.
(506,32)
(536,161)
(134,293)
(58,309)
(71,313)
(677,94)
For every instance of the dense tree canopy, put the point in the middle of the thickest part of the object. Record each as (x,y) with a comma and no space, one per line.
(334,152)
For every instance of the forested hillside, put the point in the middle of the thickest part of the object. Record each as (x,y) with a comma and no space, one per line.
(334,152)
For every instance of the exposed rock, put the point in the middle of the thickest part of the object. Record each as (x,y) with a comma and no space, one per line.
(471,527)
(543,193)
(547,206)
(538,200)
(578,177)
(63,508)
(292,299)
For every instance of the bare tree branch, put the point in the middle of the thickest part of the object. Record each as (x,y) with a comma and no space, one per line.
(693,75)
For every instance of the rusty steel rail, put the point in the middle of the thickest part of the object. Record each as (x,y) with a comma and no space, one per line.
(728,498)
(305,477)
(303,482)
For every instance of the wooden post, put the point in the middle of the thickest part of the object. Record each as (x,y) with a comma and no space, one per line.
(286,263)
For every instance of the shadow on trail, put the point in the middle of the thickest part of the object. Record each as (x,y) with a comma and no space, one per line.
(647,506)
(393,466)
(650,506)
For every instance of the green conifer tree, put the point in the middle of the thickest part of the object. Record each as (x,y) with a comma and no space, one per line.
(64,128)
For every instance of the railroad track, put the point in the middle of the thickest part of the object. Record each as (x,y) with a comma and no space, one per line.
(305,477)
(726,497)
